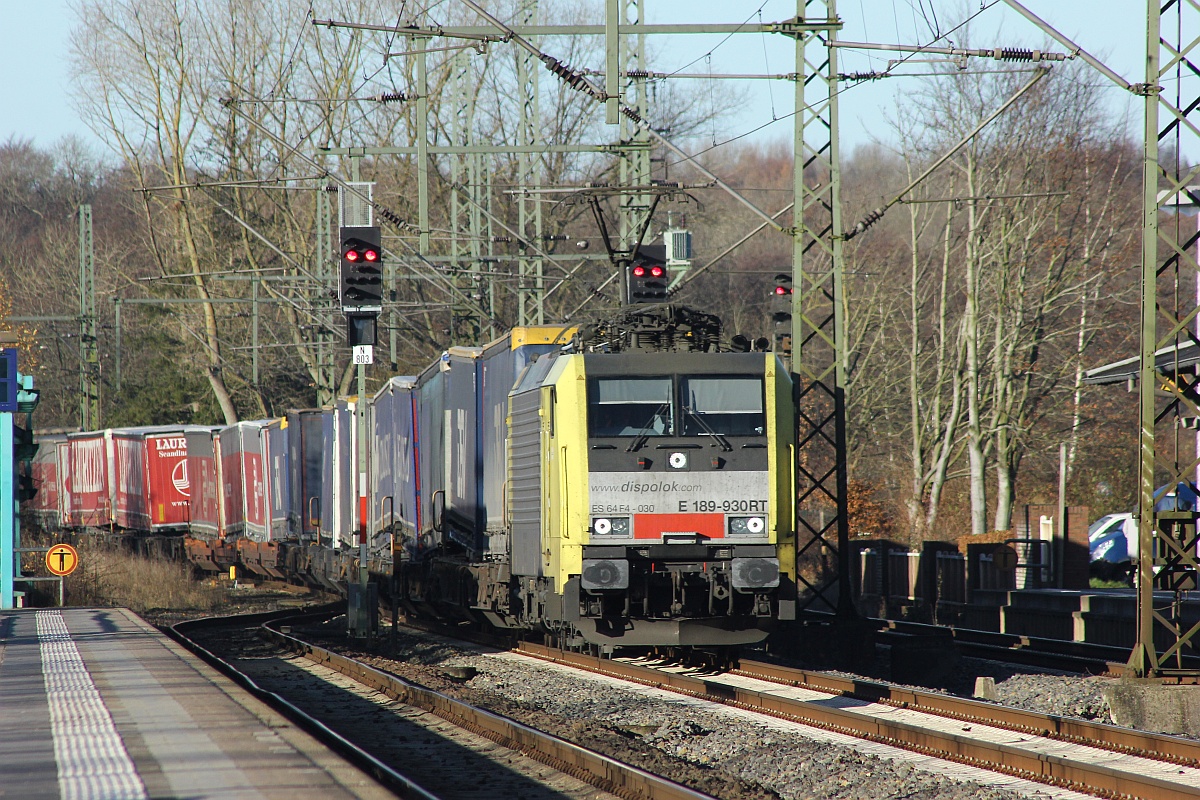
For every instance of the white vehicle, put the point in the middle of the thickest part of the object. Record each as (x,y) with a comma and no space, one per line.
(1113,539)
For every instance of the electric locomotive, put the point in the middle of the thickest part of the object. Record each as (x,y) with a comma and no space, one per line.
(646,497)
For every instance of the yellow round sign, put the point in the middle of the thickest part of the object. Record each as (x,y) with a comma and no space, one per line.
(62,559)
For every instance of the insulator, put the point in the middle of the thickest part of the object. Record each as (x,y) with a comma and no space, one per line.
(861,76)
(573,79)
(557,67)
(390,216)
(1015,54)
(392,97)
(866,222)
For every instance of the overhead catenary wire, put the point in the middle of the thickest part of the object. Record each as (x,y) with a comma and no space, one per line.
(580,83)
(1076,50)
(966,199)
(983,6)
(576,80)
(384,97)
(876,215)
(286,72)
(998,53)
(263,183)
(522,239)
(767,65)
(695,273)
(249,228)
(384,212)
(729,35)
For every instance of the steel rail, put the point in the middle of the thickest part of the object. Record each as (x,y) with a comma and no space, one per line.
(1022,650)
(1018,648)
(360,758)
(1159,747)
(594,768)
(996,757)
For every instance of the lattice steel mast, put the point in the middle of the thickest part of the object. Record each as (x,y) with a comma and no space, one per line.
(1167,539)
(818,319)
(89,350)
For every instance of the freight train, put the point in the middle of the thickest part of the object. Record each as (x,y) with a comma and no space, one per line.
(613,487)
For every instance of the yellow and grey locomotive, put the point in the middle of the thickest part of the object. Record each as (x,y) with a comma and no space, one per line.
(652,495)
(620,496)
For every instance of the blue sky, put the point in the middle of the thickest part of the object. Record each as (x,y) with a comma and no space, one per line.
(34,55)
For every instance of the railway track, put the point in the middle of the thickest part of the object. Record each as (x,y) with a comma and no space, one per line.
(1070,656)
(1010,648)
(1087,757)
(1067,753)
(420,743)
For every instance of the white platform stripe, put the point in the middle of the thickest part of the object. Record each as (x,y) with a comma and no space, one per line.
(92,762)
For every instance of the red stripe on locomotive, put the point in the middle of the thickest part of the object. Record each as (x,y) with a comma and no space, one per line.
(653,526)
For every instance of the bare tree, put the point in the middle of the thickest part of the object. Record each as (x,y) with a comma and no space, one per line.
(997,335)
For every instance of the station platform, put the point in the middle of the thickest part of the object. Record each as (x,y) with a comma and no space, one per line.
(97,704)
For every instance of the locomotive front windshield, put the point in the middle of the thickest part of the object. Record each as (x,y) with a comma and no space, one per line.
(631,407)
(723,407)
(707,406)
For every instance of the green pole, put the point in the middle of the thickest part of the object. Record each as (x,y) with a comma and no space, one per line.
(8,511)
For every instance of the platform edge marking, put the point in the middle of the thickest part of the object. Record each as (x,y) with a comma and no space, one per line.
(91,756)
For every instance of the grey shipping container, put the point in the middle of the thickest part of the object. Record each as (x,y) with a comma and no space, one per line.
(305,453)
(431,430)
(275,465)
(394,462)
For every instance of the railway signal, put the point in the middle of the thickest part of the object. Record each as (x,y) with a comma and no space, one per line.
(781,313)
(362,330)
(647,281)
(360,286)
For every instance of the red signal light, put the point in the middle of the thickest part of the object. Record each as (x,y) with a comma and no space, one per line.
(371,255)
(781,290)
(352,255)
(639,271)
(656,271)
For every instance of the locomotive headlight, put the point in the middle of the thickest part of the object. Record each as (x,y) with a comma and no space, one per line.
(605,573)
(755,573)
(678,460)
(747,525)
(610,526)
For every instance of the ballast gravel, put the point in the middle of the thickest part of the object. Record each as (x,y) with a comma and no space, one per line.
(1063,695)
(720,752)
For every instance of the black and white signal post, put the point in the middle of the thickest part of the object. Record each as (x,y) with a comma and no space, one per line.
(360,291)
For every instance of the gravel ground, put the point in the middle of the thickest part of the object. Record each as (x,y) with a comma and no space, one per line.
(716,752)
(736,760)
(1064,695)
(240,600)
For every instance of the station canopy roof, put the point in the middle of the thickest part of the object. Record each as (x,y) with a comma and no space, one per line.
(1175,359)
